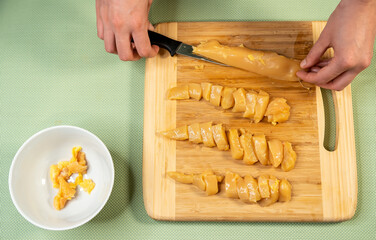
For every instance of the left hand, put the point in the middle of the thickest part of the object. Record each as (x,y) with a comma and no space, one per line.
(350,31)
(120,21)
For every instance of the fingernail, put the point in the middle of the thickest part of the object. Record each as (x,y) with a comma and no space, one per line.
(303,63)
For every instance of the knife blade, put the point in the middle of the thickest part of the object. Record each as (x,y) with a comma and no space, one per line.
(176,47)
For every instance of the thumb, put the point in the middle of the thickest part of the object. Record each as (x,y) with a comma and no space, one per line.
(316,52)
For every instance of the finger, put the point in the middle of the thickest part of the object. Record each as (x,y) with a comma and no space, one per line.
(100,31)
(143,45)
(151,27)
(315,69)
(324,75)
(315,53)
(319,65)
(323,63)
(341,81)
(125,49)
(109,41)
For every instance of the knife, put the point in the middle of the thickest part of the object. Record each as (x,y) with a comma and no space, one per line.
(176,47)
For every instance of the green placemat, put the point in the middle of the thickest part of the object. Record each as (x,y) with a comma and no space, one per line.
(54,70)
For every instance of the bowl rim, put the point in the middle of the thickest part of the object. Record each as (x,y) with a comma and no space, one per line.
(21,149)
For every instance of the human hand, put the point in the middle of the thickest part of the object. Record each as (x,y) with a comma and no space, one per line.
(350,31)
(120,21)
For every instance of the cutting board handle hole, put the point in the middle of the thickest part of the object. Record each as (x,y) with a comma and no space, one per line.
(330,134)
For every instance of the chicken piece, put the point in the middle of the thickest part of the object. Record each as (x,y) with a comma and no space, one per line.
(178,93)
(235,147)
(239,97)
(66,190)
(269,64)
(220,138)
(227,100)
(65,173)
(215,95)
(284,191)
(253,190)
(231,180)
(247,145)
(194,133)
(207,134)
(289,157)
(206,181)
(278,111)
(63,164)
(261,148)
(87,185)
(220,178)
(262,102)
(180,133)
(206,88)
(263,186)
(79,179)
(250,104)
(199,181)
(54,174)
(59,202)
(181,177)
(242,189)
(61,172)
(275,152)
(81,158)
(268,189)
(211,183)
(75,151)
(195,91)
(254,105)
(273,183)
(75,167)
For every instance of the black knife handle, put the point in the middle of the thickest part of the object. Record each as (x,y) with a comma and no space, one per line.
(162,41)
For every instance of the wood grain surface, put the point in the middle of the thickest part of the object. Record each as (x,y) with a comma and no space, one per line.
(324,183)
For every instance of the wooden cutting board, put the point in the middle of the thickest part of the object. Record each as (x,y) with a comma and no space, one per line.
(324,183)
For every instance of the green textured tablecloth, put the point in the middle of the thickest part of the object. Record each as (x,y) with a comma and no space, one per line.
(54,70)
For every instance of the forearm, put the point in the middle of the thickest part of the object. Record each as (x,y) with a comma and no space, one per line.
(365,5)
(371,2)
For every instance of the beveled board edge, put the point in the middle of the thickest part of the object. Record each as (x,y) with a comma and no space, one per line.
(338,168)
(158,190)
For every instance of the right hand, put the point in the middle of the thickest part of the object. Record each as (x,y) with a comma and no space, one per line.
(350,31)
(120,21)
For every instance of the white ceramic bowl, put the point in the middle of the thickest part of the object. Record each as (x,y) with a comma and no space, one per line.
(31,188)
